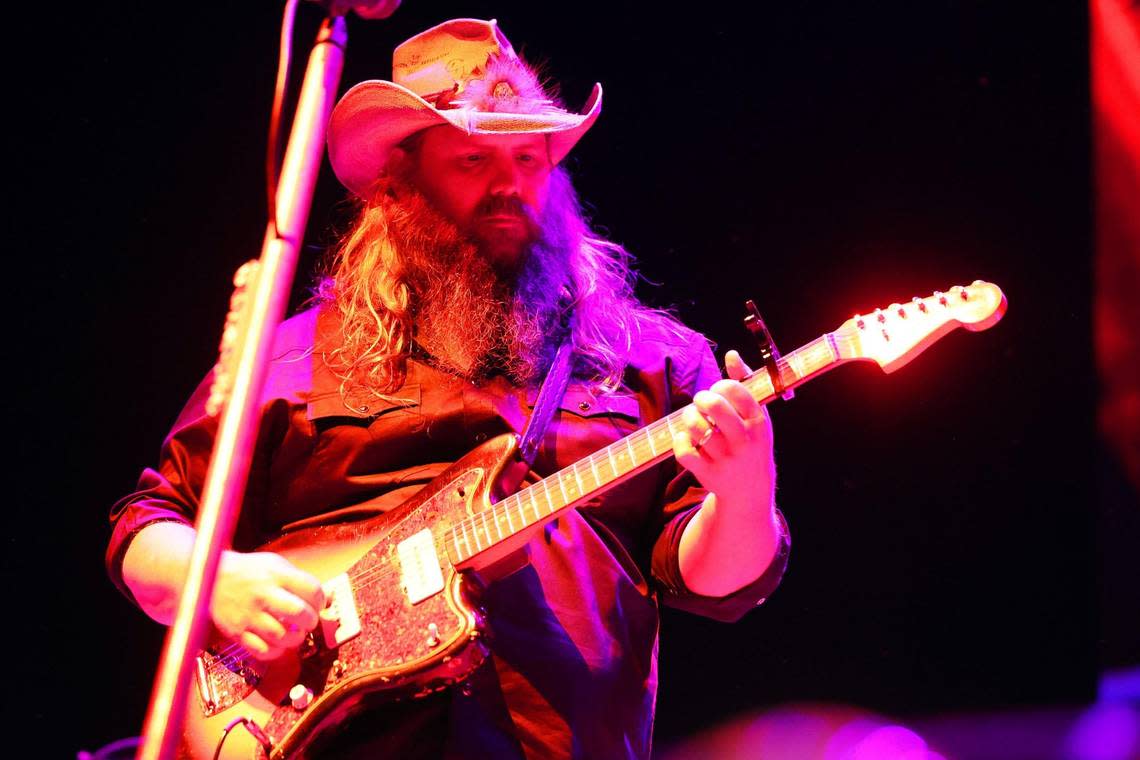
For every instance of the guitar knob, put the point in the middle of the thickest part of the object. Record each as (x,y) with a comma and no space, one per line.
(301,696)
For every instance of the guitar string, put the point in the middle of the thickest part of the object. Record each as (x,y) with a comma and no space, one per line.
(642,450)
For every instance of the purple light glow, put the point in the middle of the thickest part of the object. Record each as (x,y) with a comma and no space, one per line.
(807,732)
(1106,732)
(870,740)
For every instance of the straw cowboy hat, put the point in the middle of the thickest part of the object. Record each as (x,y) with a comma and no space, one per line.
(462,72)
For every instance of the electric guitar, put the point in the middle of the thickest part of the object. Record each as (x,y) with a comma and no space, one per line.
(401,621)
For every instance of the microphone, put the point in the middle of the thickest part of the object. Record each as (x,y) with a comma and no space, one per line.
(370,9)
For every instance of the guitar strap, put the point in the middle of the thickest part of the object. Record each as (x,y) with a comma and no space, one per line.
(548,397)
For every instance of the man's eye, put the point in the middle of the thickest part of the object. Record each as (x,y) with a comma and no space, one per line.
(472,158)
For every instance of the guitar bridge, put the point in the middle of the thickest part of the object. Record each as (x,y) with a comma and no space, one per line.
(205,685)
(224,678)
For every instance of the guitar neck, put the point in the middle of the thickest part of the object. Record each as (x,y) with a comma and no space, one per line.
(605,468)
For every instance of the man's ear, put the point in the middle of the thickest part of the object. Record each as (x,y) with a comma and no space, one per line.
(398,163)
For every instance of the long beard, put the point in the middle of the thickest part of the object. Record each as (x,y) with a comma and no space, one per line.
(472,319)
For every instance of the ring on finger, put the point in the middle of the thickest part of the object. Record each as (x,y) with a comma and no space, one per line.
(706,437)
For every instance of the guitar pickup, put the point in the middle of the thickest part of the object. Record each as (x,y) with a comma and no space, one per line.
(340,620)
(419,566)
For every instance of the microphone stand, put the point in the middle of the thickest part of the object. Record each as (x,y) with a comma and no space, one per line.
(228,472)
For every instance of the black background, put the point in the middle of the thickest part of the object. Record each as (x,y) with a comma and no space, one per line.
(821,159)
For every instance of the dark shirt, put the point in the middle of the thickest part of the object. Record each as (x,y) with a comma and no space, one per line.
(574,664)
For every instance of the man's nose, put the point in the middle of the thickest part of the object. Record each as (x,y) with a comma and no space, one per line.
(505,177)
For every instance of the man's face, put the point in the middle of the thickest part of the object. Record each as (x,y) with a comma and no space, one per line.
(492,187)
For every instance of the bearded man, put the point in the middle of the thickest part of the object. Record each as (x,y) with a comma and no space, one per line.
(440,314)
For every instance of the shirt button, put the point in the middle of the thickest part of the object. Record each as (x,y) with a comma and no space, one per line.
(584,405)
(362,408)
(480,437)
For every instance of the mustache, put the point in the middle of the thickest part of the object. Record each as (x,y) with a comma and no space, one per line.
(505,205)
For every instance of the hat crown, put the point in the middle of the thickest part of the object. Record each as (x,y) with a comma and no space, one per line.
(447,56)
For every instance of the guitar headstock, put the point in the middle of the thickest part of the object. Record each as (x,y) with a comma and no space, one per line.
(895,334)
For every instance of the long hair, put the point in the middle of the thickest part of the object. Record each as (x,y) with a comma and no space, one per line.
(367,279)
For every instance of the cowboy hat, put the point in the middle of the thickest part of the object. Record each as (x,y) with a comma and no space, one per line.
(462,72)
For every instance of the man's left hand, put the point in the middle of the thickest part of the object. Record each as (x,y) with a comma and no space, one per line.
(727,442)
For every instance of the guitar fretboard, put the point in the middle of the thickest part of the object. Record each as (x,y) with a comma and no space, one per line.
(607,467)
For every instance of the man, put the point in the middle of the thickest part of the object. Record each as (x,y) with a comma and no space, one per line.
(468,265)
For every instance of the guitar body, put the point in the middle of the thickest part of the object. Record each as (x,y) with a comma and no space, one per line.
(404,647)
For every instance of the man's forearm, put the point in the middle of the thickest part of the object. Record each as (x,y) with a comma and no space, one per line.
(155,567)
(727,546)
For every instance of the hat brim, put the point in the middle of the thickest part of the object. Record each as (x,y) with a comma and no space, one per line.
(374,116)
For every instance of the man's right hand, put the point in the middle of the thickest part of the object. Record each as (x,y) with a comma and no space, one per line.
(261,600)
(264,602)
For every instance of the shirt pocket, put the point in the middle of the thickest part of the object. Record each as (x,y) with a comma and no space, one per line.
(586,405)
(401,408)
(586,422)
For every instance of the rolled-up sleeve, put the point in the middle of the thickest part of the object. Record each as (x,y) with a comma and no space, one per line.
(169,492)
